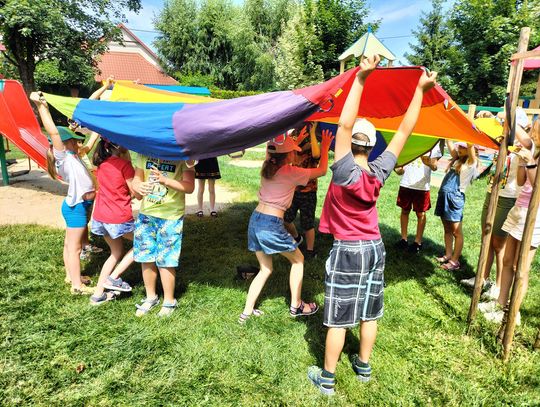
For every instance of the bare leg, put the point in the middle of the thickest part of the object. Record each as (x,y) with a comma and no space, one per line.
(335,339)
(489,261)
(368,334)
(296,276)
(200,194)
(168,280)
(310,238)
(117,249)
(65,255)
(448,238)
(212,194)
(85,241)
(457,233)
(126,261)
(499,244)
(509,268)
(150,273)
(265,263)
(73,251)
(404,222)
(421,216)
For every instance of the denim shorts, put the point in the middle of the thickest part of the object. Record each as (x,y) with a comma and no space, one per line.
(266,233)
(77,216)
(158,240)
(113,230)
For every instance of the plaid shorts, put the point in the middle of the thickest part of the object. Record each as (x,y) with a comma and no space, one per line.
(354,283)
(306,202)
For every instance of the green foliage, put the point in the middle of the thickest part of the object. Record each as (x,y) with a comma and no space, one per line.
(434,47)
(295,65)
(231,94)
(69,33)
(486,34)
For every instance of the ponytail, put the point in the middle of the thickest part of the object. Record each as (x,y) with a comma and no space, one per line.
(272,164)
(102,152)
(51,164)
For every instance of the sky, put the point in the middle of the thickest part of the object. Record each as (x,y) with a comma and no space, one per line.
(399,19)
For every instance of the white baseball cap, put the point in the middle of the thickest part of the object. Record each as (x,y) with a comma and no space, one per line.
(366,128)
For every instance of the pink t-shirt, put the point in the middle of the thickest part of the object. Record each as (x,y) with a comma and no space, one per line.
(524,197)
(349,211)
(113,201)
(278,191)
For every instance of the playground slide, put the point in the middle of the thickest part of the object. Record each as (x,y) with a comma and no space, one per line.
(19,124)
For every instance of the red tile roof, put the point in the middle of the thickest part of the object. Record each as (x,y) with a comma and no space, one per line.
(131,66)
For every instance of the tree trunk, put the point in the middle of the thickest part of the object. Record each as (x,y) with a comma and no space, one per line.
(27,77)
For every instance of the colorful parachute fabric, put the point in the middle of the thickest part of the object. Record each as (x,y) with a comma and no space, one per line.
(199,130)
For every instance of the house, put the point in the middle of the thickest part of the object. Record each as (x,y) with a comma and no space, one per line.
(132,60)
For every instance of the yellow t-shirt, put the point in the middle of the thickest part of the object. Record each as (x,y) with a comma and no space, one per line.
(163,202)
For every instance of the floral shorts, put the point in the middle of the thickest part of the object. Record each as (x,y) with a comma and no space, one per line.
(158,240)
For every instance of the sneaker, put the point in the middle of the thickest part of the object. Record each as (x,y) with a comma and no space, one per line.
(492,293)
(298,239)
(402,245)
(468,282)
(490,306)
(415,248)
(362,370)
(82,290)
(117,284)
(497,317)
(326,385)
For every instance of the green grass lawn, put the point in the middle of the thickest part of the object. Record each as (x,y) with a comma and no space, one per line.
(57,350)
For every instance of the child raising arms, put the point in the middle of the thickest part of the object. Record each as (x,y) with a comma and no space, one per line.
(463,169)
(158,229)
(266,232)
(354,278)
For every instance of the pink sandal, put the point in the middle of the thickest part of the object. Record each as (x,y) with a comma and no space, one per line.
(451,265)
(442,259)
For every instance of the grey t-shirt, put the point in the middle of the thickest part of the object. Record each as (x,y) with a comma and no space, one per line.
(346,172)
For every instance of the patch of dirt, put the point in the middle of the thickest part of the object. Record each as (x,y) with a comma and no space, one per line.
(246,163)
(35,198)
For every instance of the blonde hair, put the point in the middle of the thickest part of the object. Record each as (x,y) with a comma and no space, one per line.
(51,164)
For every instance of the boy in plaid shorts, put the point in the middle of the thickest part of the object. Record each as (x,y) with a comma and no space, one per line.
(355,269)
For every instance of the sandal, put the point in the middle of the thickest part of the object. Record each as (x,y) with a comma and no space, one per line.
(213,214)
(105,297)
(451,265)
(82,290)
(299,311)
(244,317)
(146,305)
(84,280)
(167,308)
(199,214)
(117,284)
(442,259)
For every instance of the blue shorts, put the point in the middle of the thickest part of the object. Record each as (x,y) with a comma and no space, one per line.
(77,216)
(266,233)
(113,230)
(158,240)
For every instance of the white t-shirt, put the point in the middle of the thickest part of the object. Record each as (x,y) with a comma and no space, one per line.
(417,175)
(70,167)
(508,188)
(467,175)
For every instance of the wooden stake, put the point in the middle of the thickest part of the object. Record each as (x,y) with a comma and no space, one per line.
(514,84)
(537,342)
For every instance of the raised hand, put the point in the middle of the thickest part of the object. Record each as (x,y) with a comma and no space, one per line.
(37,98)
(303,134)
(368,65)
(427,81)
(326,141)
(110,81)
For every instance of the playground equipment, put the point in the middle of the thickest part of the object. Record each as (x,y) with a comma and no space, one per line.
(367,45)
(20,126)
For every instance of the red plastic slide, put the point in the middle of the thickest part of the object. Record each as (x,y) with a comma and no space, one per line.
(19,124)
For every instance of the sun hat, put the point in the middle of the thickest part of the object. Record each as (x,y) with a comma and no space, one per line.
(282,144)
(66,134)
(366,128)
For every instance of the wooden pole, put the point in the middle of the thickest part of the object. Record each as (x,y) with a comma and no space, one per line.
(522,272)
(341,66)
(514,84)
(471,111)
(537,342)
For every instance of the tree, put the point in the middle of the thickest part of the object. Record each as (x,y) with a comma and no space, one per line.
(434,47)
(58,30)
(339,24)
(295,63)
(487,33)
